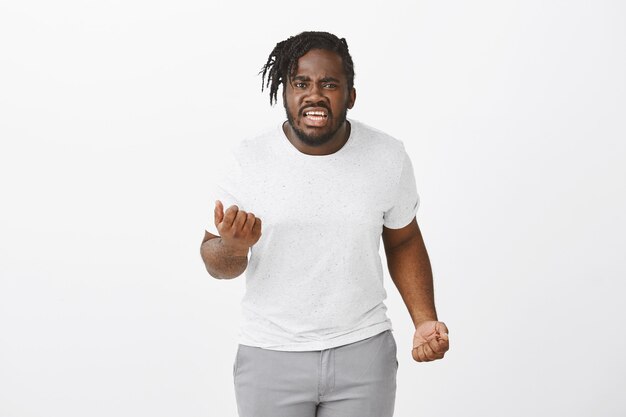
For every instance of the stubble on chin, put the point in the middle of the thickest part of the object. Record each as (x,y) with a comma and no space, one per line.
(311,140)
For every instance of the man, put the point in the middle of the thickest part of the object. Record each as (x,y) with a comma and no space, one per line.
(310,200)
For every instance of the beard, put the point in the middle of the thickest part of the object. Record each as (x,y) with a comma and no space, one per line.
(316,140)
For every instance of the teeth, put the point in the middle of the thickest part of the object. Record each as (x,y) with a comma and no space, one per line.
(315,113)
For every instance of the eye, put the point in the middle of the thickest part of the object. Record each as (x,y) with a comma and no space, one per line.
(300,85)
(330,85)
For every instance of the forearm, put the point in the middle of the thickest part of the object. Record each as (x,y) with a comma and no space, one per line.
(222,262)
(410,270)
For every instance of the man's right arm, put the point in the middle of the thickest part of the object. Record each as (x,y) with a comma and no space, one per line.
(220,261)
(226,256)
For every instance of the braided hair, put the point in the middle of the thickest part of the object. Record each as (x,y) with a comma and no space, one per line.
(282,62)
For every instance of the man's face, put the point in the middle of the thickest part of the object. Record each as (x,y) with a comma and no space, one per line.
(317,98)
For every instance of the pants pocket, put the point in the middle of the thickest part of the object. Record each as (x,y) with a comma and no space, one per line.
(394,347)
(236,362)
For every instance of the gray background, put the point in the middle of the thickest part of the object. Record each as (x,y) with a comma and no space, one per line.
(114,115)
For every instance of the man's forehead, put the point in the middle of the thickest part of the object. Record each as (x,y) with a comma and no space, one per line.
(323,77)
(321,63)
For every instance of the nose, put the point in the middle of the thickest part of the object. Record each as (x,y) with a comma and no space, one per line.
(316,93)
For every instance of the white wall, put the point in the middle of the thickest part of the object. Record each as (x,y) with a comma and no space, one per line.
(112,113)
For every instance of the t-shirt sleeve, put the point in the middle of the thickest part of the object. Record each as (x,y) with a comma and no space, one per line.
(406,199)
(225,185)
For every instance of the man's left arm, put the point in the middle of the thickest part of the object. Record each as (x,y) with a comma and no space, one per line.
(410,270)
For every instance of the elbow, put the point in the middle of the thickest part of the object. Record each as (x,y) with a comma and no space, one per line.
(214,274)
(222,267)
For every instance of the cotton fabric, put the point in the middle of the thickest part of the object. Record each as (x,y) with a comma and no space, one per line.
(314,279)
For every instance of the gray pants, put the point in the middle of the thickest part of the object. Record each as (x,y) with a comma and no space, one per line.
(354,380)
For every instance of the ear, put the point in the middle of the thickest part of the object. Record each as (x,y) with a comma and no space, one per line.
(352,98)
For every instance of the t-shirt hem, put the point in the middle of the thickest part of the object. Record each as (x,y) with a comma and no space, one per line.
(404,223)
(351,337)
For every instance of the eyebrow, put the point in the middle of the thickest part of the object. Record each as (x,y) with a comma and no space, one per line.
(324,80)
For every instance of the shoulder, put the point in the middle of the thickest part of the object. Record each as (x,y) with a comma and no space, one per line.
(381,143)
(255,148)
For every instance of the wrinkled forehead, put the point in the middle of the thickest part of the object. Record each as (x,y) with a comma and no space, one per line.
(319,63)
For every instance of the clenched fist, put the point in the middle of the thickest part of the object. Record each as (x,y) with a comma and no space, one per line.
(430,341)
(239,230)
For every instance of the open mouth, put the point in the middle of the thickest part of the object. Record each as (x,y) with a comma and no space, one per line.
(317,117)
(315,114)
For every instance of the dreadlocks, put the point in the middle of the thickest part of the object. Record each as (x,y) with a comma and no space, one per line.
(282,62)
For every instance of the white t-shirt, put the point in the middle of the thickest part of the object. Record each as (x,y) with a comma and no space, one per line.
(314,279)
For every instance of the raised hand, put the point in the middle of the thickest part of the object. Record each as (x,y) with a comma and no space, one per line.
(430,341)
(239,230)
